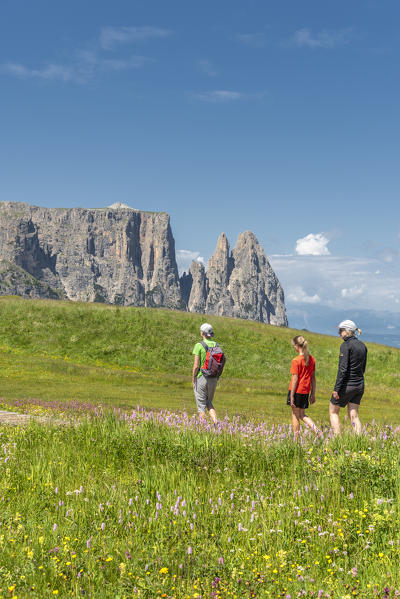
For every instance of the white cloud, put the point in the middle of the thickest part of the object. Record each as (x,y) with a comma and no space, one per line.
(112,36)
(86,64)
(184,259)
(298,295)
(223,96)
(49,72)
(255,40)
(353,291)
(313,244)
(389,255)
(341,282)
(207,67)
(219,96)
(325,39)
(134,62)
(85,67)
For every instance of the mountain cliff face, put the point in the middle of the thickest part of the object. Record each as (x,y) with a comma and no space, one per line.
(123,256)
(119,256)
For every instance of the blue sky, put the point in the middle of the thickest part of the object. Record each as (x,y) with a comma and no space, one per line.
(277,117)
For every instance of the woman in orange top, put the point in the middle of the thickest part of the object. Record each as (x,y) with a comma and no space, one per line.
(302,385)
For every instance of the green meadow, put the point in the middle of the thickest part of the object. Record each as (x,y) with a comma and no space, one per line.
(147,508)
(104,500)
(124,357)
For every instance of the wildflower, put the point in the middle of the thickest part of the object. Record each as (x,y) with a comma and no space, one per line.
(190,551)
(55,528)
(221,560)
(163,570)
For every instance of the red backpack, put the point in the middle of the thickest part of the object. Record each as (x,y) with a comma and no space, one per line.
(214,362)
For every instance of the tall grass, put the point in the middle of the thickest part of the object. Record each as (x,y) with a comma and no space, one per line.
(152,507)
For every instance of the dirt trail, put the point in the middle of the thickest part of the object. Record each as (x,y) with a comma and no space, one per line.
(18,419)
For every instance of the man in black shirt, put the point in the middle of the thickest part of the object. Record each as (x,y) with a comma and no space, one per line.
(349,386)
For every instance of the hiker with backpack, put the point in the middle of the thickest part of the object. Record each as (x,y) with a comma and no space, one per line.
(208,364)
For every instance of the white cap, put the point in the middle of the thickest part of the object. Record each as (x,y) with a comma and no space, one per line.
(207,330)
(349,325)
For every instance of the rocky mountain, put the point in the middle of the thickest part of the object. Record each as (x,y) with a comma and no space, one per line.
(123,256)
(16,281)
(113,255)
(240,283)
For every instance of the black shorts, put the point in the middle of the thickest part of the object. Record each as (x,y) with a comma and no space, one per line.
(348,396)
(300,400)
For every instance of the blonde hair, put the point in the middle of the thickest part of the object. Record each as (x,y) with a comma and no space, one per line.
(354,333)
(302,343)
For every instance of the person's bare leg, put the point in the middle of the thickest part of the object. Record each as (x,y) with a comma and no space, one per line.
(334,417)
(352,408)
(213,415)
(310,424)
(202,416)
(295,422)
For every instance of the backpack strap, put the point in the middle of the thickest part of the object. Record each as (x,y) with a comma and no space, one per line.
(204,344)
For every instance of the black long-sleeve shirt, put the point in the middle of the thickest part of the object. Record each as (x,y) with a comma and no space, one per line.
(352,363)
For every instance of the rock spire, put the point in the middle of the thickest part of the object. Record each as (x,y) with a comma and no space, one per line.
(241,284)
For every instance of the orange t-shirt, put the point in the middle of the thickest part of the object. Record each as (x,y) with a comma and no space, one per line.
(304,373)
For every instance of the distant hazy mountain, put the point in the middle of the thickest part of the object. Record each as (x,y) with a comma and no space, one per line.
(379,327)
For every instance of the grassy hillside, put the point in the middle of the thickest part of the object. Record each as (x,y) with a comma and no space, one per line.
(91,353)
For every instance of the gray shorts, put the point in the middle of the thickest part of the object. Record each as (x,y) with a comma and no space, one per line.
(204,390)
